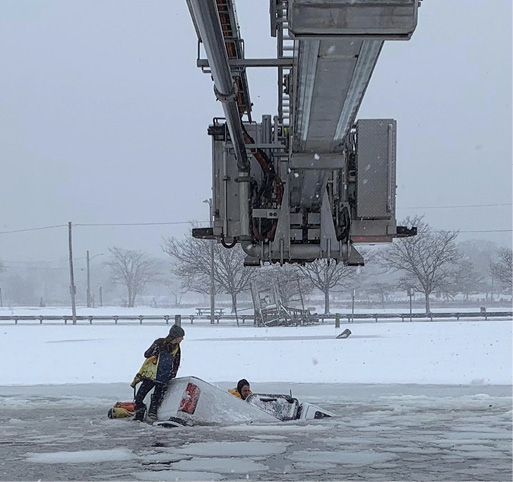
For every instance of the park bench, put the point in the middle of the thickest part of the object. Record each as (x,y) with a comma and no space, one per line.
(206,311)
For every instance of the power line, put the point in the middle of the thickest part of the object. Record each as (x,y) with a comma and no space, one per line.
(138,224)
(64,261)
(489,231)
(41,268)
(192,222)
(101,224)
(34,229)
(169,223)
(460,206)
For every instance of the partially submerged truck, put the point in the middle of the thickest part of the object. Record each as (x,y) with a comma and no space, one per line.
(192,401)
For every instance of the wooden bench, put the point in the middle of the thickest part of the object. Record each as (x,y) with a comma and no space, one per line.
(206,311)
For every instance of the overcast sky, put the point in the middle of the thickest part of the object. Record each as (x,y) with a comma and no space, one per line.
(103,120)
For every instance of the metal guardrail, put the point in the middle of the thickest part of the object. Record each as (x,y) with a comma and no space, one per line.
(90,318)
(322,318)
(417,316)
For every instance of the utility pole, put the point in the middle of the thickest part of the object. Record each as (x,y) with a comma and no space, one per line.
(101,297)
(1,301)
(212,284)
(300,294)
(88,301)
(352,306)
(410,294)
(72,288)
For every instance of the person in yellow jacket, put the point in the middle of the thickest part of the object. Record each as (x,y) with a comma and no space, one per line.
(165,353)
(242,390)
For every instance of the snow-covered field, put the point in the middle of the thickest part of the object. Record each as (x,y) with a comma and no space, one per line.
(442,352)
(416,401)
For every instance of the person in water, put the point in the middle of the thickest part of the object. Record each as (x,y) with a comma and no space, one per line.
(167,351)
(242,390)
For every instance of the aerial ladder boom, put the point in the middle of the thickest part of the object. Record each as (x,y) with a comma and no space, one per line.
(311,181)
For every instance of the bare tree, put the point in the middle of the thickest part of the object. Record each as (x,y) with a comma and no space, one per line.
(502,268)
(290,282)
(428,258)
(193,257)
(191,262)
(381,289)
(480,253)
(231,273)
(326,276)
(132,269)
(176,287)
(373,279)
(465,279)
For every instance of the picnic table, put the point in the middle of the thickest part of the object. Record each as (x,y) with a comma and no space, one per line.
(206,311)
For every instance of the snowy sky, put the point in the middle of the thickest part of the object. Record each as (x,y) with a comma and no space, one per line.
(104,117)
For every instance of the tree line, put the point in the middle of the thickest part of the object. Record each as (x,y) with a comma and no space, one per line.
(431,263)
(428,263)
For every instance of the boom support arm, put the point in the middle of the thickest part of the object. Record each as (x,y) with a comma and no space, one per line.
(312,181)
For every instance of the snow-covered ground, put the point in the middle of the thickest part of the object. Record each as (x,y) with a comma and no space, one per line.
(442,352)
(415,401)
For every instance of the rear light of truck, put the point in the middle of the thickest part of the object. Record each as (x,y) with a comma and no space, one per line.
(190,399)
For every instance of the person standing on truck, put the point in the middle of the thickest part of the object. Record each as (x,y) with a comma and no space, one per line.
(165,354)
(242,390)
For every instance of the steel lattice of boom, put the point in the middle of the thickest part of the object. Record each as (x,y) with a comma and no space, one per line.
(311,181)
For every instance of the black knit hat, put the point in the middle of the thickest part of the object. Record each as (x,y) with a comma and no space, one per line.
(242,383)
(176,332)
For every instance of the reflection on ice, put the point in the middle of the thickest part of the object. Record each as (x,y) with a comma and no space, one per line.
(226,465)
(343,457)
(235,449)
(174,475)
(81,456)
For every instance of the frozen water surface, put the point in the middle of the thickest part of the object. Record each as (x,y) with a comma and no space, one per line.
(414,401)
(382,432)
